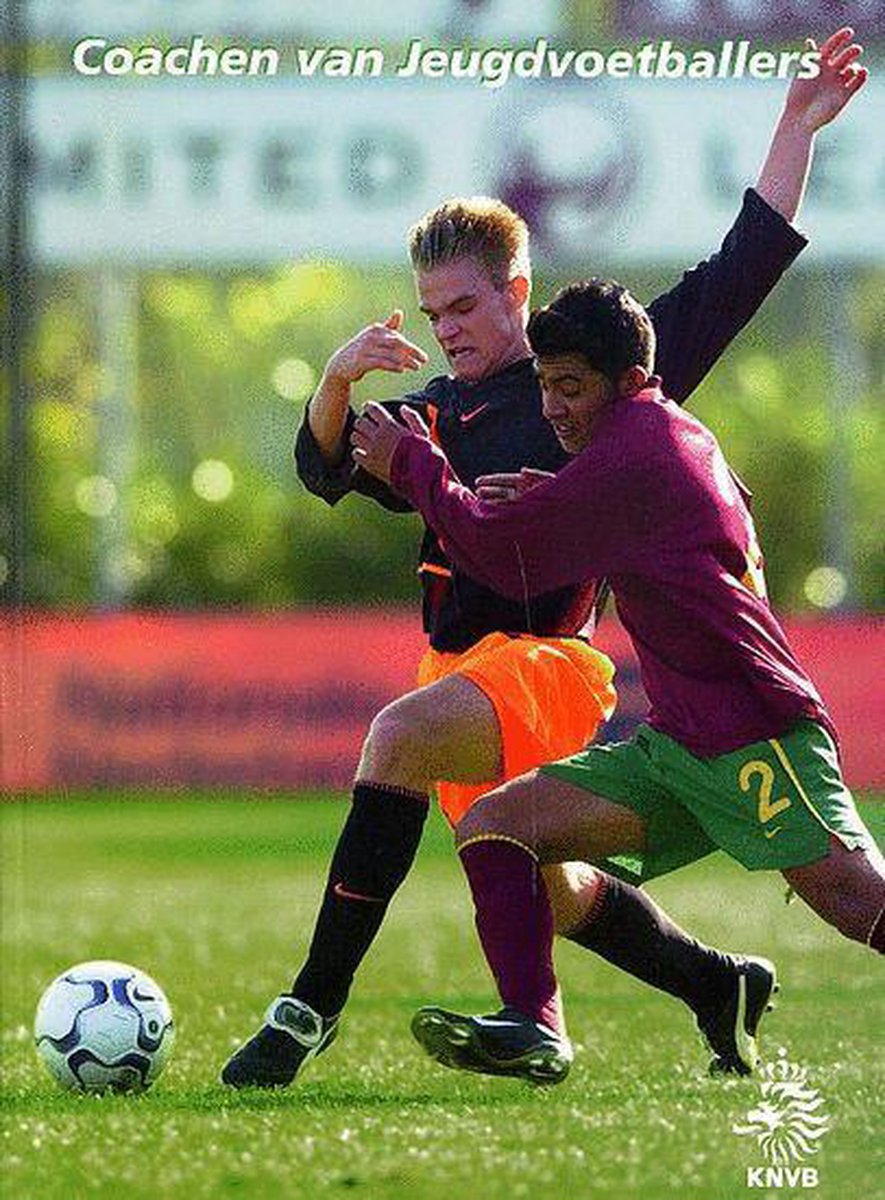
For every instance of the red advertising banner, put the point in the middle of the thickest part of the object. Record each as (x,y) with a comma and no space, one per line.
(196,700)
(262,700)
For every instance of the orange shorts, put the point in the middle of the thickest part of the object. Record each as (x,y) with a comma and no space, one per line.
(549,694)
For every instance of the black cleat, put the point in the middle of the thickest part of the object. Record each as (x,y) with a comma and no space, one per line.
(730,1031)
(291,1035)
(505,1043)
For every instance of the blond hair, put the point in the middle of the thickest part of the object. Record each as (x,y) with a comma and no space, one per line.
(477,227)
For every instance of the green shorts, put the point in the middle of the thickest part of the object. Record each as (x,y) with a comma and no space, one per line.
(771,805)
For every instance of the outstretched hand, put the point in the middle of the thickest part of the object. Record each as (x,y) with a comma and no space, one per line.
(377,434)
(810,104)
(379,347)
(813,103)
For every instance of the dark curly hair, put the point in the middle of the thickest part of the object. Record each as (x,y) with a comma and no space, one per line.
(600,320)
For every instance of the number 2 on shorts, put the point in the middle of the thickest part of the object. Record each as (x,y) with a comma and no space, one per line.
(768,809)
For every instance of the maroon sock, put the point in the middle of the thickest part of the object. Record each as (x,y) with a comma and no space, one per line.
(515,926)
(877,933)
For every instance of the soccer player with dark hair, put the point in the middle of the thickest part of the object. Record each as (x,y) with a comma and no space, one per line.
(507,684)
(738,752)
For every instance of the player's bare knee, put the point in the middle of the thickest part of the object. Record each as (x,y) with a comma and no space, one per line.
(489,816)
(393,750)
(572,889)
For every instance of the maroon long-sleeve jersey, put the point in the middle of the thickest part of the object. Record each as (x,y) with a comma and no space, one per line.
(652,505)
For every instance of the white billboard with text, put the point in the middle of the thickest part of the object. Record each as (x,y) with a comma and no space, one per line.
(225,171)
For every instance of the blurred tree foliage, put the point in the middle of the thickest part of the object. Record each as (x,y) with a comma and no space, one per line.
(214,514)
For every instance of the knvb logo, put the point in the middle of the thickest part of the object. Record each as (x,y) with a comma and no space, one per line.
(787,1124)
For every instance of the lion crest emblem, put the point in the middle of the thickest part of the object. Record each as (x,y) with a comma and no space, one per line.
(788,1122)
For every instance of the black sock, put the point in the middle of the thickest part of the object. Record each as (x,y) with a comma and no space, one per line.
(628,929)
(375,850)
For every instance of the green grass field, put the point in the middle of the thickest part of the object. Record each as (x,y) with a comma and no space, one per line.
(215,897)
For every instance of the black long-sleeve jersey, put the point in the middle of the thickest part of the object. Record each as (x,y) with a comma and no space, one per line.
(496,424)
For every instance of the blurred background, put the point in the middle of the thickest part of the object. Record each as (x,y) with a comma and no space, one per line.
(183,254)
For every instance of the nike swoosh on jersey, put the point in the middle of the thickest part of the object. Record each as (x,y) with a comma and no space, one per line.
(769,833)
(466,418)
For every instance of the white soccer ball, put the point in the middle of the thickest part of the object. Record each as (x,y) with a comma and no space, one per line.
(104,1026)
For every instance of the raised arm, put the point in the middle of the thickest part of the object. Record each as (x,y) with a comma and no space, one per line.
(810,104)
(321,458)
(696,320)
(379,347)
